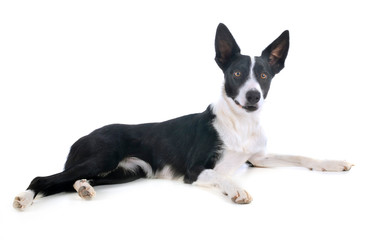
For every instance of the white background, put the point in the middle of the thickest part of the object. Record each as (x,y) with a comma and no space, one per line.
(68,67)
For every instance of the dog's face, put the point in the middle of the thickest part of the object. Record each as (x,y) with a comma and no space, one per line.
(248,79)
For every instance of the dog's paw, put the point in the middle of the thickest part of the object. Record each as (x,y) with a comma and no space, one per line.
(86,192)
(332,166)
(84,189)
(23,200)
(240,196)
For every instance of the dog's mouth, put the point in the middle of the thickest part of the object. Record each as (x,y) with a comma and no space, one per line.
(249,108)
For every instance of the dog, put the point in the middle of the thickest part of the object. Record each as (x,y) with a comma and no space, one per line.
(203,149)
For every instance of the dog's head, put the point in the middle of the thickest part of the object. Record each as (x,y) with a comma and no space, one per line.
(248,79)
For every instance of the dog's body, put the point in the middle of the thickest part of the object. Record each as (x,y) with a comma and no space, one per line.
(204,148)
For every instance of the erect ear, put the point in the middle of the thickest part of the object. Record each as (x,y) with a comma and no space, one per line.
(225,46)
(277,51)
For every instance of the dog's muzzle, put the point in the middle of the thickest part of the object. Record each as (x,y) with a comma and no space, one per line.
(252,98)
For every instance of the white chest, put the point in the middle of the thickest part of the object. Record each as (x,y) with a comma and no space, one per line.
(242,138)
(239,149)
(247,138)
(240,133)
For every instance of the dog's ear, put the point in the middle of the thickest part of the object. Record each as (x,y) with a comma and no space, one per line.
(277,51)
(225,46)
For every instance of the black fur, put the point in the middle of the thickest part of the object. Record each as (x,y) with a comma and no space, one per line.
(188,144)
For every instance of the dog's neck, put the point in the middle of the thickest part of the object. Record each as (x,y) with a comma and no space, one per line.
(237,128)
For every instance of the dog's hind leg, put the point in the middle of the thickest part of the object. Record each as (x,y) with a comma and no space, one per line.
(63,181)
(274,160)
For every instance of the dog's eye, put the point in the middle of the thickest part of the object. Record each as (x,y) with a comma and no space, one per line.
(263,76)
(237,74)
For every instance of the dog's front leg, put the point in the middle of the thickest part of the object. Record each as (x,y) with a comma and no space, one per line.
(211,178)
(274,160)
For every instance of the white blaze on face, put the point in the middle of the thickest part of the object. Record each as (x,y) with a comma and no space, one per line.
(250,84)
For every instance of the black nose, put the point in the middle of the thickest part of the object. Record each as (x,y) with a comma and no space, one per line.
(253,97)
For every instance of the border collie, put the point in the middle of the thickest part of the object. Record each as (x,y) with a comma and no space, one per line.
(203,148)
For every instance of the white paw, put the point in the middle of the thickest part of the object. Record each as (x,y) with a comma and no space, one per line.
(332,166)
(84,189)
(23,200)
(240,196)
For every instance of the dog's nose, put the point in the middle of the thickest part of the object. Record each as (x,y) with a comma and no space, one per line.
(253,96)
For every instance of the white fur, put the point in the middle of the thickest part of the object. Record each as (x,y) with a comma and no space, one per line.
(23,200)
(239,130)
(132,164)
(165,173)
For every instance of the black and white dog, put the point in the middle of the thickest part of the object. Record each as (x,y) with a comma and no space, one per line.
(203,148)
